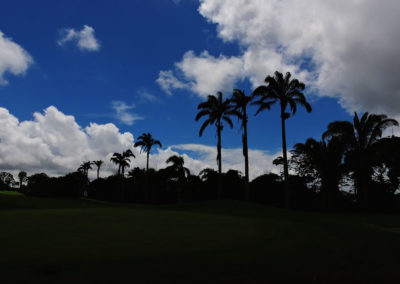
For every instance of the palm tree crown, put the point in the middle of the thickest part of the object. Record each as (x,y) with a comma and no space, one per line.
(122,160)
(360,136)
(287,92)
(85,167)
(178,170)
(146,142)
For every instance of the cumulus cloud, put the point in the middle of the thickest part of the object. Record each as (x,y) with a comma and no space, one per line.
(260,162)
(13,58)
(84,39)
(55,143)
(346,49)
(203,74)
(123,112)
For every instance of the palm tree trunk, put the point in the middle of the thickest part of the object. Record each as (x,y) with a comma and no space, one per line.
(285,162)
(219,160)
(246,158)
(98,172)
(147,164)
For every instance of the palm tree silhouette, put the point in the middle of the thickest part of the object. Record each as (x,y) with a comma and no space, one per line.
(288,92)
(122,160)
(98,164)
(240,102)
(85,167)
(216,110)
(177,169)
(360,137)
(323,159)
(207,174)
(146,142)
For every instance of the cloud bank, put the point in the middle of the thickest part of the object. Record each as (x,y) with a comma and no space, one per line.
(13,58)
(84,39)
(347,49)
(55,143)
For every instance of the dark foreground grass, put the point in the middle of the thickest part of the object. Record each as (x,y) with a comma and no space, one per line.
(66,241)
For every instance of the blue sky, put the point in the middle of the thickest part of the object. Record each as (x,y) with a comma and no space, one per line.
(136,40)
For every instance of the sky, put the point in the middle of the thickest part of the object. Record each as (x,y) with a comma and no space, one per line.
(80,80)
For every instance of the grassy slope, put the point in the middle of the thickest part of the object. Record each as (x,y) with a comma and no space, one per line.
(60,241)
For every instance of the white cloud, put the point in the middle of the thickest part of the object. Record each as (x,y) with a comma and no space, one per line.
(13,58)
(260,162)
(123,114)
(84,39)
(203,74)
(168,82)
(54,143)
(346,48)
(148,97)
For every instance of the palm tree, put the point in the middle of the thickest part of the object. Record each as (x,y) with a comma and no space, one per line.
(360,137)
(98,165)
(85,167)
(177,169)
(178,173)
(240,102)
(122,160)
(216,110)
(146,142)
(287,92)
(208,174)
(322,159)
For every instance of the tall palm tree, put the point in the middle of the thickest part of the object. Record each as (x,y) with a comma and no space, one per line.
(122,160)
(85,167)
(360,137)
(322,159)
(287,92)
(98,164)
(216,110)
(240,102)
(146,142)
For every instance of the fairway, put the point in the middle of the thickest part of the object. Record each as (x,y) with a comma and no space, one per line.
(65,241)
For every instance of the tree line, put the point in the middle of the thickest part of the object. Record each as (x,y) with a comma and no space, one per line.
(351,155)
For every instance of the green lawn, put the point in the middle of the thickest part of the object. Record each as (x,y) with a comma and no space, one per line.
(64,241)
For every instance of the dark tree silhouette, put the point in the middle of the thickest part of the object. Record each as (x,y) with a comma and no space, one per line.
(122,160)
(360,136)
(322,160)
(177,169)
(98,164)
(6,180)
(22,177)
(216,110)
(177,172)
(240,102)
(85,167)
(146,142)
(287,92)
(208,174)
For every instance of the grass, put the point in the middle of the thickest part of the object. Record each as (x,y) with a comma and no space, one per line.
(63,241)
